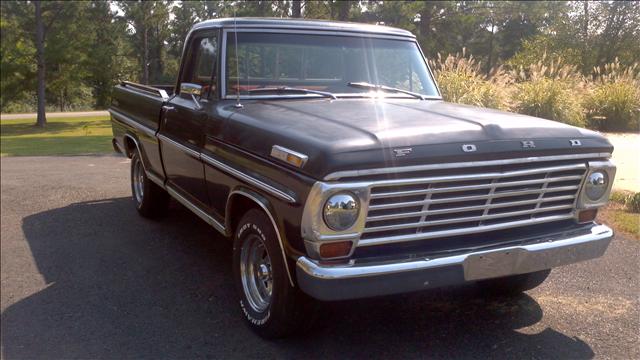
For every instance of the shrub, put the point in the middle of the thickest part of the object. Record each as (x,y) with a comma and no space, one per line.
(461,81)
(550,92)
(614,101)
(633,203)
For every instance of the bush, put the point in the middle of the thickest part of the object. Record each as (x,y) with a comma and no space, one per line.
(549,99)
(550,90)
(461,81)
(614,102)
(633,203)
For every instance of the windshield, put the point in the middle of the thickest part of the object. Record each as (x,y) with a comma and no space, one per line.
(324,63)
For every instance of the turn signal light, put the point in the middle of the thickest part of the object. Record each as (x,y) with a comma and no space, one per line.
(335,249)
(586,216)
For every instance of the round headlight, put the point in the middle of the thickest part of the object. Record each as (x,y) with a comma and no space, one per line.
(341,211)
(596,185)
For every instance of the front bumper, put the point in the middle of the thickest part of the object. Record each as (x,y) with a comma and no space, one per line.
(354,280)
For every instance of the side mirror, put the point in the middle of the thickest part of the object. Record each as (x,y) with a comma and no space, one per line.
(193,90)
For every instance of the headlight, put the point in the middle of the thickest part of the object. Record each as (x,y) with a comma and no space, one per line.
(596,185)
(341,211)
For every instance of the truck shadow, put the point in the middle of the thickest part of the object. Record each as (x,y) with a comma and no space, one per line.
(119,286)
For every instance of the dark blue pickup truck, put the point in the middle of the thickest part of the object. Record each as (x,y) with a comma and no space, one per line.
(325,151)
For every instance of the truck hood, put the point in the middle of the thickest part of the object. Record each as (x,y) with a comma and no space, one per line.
(351,134)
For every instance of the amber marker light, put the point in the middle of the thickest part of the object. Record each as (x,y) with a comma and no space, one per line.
(585,216)
(289,156)
(335,249)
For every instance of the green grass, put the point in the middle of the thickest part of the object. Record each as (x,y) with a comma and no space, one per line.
(61,136)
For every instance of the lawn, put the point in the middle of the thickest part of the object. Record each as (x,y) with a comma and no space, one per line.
(61,136)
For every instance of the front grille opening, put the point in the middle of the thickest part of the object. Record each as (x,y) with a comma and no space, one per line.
(455,194)
(508,199)
(521,178)
(448,184)
(455,215)
(559,193)
(402,221)
(564,183)
(556,203)
(394,211)
(444,227)
(456,204)
(398,188)
(567,173)
(397,200)
(518,188)
(509,209)
(553,213)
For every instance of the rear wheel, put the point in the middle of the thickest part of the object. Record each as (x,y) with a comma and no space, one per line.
(513,285)
(270,305)
(150,199)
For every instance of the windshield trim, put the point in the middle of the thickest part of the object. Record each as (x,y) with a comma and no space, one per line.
(232,96)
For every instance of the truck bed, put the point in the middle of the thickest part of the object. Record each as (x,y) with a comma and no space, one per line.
(135,114)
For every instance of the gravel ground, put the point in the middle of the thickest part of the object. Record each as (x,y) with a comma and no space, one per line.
(84,277)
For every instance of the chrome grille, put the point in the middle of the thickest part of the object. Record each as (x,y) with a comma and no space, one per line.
(479,199)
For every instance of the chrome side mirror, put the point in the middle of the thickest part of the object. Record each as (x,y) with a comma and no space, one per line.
(193,90)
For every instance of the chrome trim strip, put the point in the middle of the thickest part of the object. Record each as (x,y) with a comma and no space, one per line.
(149,89)
(196,210)
(461,231)
(251,180)
(181,147)
(356,173)
(121,117)
(275,227)
(155,178)
(556,251)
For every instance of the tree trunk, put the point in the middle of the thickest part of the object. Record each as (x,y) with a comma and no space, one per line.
(296,8)
(145,60)
(585,37)
(490,58)
(42,116)
(343,10)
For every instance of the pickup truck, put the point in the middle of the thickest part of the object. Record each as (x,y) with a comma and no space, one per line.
(325,152)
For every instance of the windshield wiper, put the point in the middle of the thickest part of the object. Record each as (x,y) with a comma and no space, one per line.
(366,85)
(283,89)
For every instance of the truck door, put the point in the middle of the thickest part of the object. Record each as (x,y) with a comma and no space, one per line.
(183,121)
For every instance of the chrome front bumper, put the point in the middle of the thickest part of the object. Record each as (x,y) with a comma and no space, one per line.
(352,281)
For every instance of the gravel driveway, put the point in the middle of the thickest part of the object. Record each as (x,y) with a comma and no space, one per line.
(84,277)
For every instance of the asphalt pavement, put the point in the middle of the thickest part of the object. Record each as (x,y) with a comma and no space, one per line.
(83,276)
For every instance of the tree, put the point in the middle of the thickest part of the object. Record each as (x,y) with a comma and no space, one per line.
(149,21)
(42,116)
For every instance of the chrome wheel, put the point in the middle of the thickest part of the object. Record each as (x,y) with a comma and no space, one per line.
(255,272)
(138,180)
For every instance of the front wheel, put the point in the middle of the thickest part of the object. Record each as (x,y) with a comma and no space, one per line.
(513,285)
(150,199)
(270,305)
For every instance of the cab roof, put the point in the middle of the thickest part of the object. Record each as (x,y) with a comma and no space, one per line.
(299,24)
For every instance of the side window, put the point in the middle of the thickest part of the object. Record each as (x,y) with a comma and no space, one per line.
(202,69)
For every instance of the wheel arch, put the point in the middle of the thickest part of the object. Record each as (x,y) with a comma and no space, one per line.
(243,195)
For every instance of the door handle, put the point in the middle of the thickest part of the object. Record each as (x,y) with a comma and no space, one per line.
(167,108)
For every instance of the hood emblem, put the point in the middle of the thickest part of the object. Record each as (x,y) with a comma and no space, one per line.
(528,144)
(469,148)
(402,152)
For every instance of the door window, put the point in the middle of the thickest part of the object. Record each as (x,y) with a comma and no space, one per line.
(203,64)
